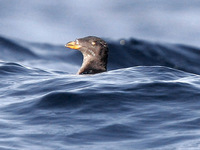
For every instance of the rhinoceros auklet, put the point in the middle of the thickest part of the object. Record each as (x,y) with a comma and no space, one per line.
(95,54)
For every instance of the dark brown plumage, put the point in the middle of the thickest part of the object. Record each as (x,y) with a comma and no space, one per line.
(95,54)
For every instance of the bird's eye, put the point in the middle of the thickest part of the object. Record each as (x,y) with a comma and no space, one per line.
(93,43)
(76,41)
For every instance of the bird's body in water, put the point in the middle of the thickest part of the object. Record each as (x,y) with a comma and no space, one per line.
(95,54)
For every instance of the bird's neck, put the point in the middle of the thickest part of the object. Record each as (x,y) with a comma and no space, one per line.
(92,65)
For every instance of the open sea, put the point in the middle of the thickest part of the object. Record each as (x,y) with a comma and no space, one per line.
(149,99)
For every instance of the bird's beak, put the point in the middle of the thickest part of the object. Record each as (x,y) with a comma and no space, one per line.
(73,45)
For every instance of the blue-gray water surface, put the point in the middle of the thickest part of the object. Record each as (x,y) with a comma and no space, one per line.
(145,100)
(148,99)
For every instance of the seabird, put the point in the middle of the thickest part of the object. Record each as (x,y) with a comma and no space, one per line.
(95,54)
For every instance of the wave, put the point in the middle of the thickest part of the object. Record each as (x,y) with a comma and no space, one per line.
(143,53)
(133,53)
(107,91)
(167,67)
(11,50)
(10,69)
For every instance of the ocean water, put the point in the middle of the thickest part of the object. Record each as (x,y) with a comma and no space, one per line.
(148,99)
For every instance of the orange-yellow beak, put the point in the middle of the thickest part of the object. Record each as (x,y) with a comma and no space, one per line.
(73,45)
